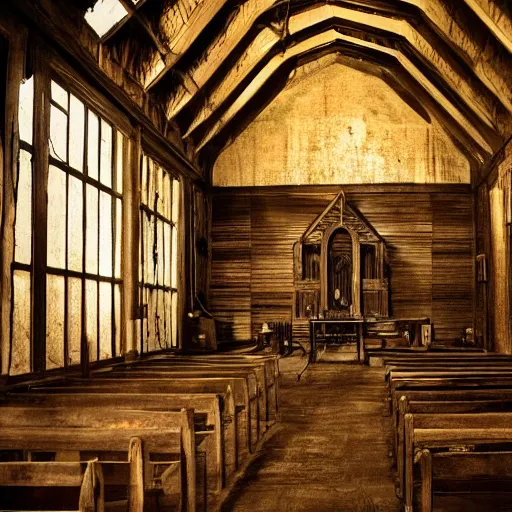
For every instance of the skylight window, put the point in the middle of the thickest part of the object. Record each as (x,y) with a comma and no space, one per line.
(104,15)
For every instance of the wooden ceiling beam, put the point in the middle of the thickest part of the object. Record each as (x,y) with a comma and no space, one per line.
(328,38)
(460,40)
(478,100)
(183,30)
(134,12)
(495,19)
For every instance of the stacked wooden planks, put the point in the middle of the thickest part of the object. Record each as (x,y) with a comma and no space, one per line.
(452,415)
(167,432)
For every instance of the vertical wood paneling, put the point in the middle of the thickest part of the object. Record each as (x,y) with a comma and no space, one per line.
(452,262)
(230,286)
(430,251)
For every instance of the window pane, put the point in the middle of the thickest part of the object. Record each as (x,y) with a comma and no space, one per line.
(151,184)
(160,249)
(106,154)
(105,320)
(166,199)
(105,234)
(54,321)
(23,235)
(159,188)
(60,95)
(119,161)
(58,134)
(175,200)
(168,320)
(119,232)
(144,181)
(174,319)
(92,145)
(75,224)
(167,260)
(91,236)
(117,309)
(74,319)
(174,258)
(91,317)
(20,355)
(26,110)
(76,134)
(104,15)
(150,228)
(56,249)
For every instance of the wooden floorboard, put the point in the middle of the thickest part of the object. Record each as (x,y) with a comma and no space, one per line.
(332,449)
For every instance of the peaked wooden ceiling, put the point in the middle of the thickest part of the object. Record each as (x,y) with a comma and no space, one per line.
(214,64)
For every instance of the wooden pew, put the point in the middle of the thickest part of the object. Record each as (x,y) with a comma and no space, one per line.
(135,474)
(395,376)
(438,407)
(208,423)
(21,427)
(245,398)
(244,387)
(474,467)
(255,377)
(267,371)
(446,366)
(451,432)
(52,474)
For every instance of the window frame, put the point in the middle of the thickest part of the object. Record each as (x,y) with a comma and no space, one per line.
(47,68)
(175,225)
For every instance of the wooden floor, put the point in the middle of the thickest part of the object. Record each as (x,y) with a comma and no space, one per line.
(332,449)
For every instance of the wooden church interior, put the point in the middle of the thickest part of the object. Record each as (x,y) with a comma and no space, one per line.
(256,255)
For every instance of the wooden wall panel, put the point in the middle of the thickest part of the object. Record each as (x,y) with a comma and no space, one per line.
(429,236)
(230,285)
(453,264)
(405,223)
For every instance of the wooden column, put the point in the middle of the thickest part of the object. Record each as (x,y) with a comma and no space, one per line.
(17,37)
(40,199)
(131,195)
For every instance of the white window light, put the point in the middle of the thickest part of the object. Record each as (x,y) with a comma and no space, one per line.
(104,15)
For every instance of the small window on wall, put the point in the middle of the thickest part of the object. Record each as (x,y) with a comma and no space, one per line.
(158,272)
(83,272)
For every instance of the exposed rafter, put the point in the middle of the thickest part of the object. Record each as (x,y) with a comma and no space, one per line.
(328,38)
(495,18)
(462,75)
(182,25)
(476,97)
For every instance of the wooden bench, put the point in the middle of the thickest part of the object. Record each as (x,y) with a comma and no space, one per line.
(448,432)
(244,388)
(135,473)
(87,478)
(480,469)
(255,377)
(438,407)
(90,429)
(207,421)
(268,366)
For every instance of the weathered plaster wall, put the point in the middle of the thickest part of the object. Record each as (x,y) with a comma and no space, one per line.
(340,126)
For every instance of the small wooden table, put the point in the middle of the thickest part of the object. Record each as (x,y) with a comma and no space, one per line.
(357,321)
